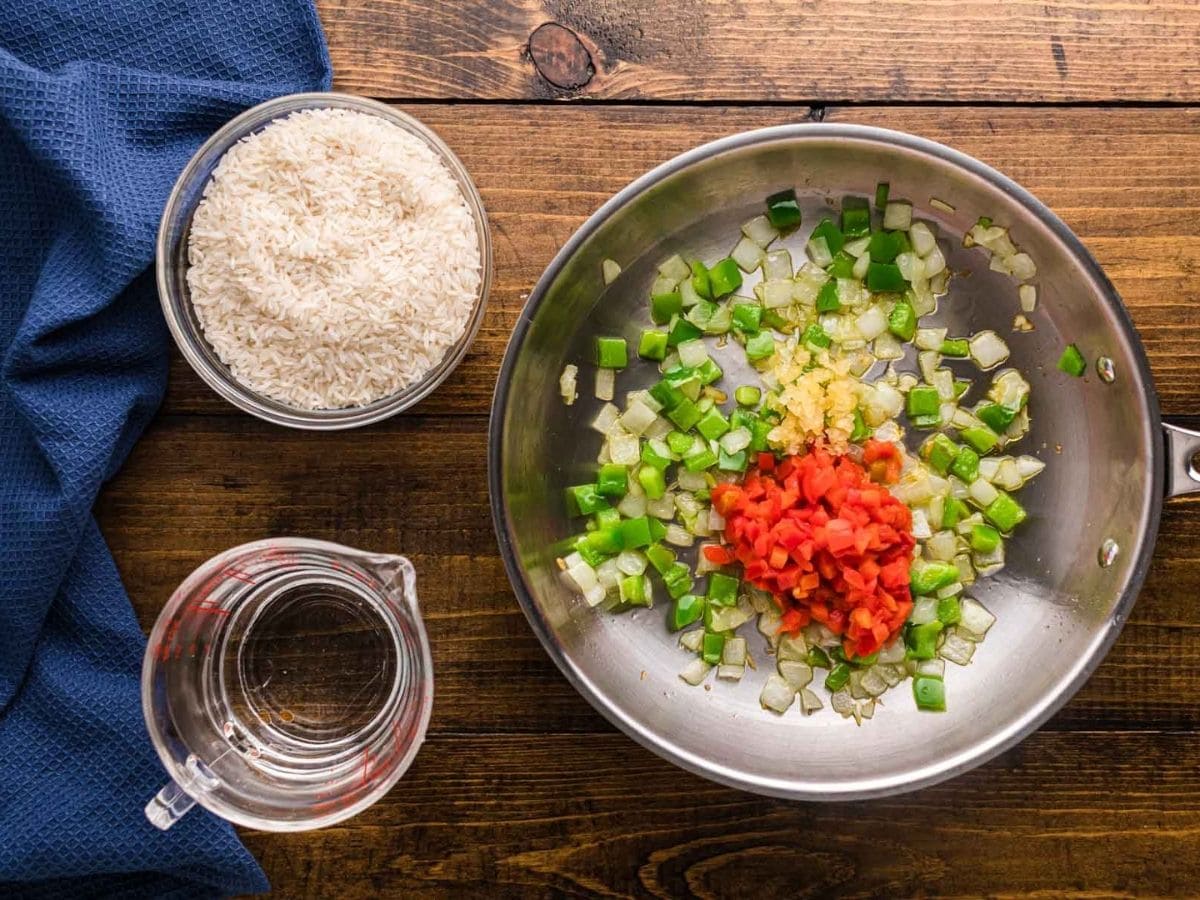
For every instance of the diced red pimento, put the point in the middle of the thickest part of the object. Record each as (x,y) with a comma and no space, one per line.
(827,538)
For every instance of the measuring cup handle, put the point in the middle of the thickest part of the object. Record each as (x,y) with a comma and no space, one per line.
(168,806)
(1183,444)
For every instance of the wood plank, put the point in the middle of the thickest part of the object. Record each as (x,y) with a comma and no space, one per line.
(195,486)
(1079,815)
(819,51)
(1130,189)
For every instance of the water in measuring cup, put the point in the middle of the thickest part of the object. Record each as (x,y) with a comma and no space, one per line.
(289,691)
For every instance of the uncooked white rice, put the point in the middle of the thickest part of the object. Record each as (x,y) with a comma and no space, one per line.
(333,259)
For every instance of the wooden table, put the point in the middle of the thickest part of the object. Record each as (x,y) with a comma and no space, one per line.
(522,789)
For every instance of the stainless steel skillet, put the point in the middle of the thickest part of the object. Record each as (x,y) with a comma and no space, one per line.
(1110,461)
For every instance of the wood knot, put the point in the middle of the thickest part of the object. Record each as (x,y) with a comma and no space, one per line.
(560,56)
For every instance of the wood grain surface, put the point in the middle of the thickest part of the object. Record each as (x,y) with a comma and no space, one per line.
(752,51)
(523,790)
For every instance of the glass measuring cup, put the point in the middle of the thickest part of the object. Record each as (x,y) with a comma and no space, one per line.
(287,684)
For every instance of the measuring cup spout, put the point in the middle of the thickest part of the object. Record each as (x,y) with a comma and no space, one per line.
(399,578)
(168,806)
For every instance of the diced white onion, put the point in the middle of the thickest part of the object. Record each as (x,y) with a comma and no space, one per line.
(1009,389)
(747,254)
(606,418)
(687,296)
(777,695)
(674,269)
(734,652)
(943,380)
(659,428)
(818,251)
(738,439)
(872,323)
(941,204)
(678,536)
(956,649)
(663,507)
(910,266)
(691,481)
(987,349)
(638,416)
(1028,296)
(920,525)
(873,682)
(567,384)
(809,702)
(692,353)
(975,617)
(611,269)
(631,562)
(857,247)
(897,215)
(606,380)
(922,238)
(951,590)
(860,266)
(988,467)
(730,673)
(1029,466)
(935,668)
(842,702)
(924,611)
(632,505)
(777,266)
(923,302)
(982,492)
(625,449)
(1022,266)
(935,263)
(777,294)
(696,671)
(796,673)
(893,652)
(793,646)
(887,347)
(927,362)
(1007,475)
(760,230)
(692,640)
(716,521)
(929,338)
(943,546)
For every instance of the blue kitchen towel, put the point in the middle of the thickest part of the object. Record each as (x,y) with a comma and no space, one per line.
(102,102)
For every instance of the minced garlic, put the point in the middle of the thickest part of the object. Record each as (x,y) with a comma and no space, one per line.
(817,398)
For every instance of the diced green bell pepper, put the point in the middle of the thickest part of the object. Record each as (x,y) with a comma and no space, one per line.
(712,425)
(722,589)
(658,530)
(939,451)
(902,320)
(984,538)
(607,518)
(663,306)
(700,281)
(747,395)
(709,371)
(666,394)
(995,416)
(783,210)
(685,415)
(930,693)
(731,462)
(632,590)
(660,557)
(923,401)
(966,465)
(885,246)
(652,481)
(685,611)
(613,480)
(1072,361)
(760,346)
(856,217)
(932,420)
(679,443)
(837,677)
(747,317)
(700,461)
(860,432)
(678,579)
(584,499)
(881,195)
(712,646)
(682,330)
(1005,512)
(591,556)
(653,345)
(611,353)
(814,336)
(949,611)
(959,348)
(982,440)
(827,298)
(842,265)
(953,512)
(818,658)
(921,640)
(928,577)
(832,234)
(759,432)
(725,278)
(651,457)
(606,540)
(885,278)
(635,533)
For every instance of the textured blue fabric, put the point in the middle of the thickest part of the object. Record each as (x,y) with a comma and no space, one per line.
(101,104)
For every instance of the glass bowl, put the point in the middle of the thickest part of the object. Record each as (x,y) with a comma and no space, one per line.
(172,264)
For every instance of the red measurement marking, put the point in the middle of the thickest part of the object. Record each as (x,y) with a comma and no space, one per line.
(239,575)
(204,606)
(354,572)
(366,763)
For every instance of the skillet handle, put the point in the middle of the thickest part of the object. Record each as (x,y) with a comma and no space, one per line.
(1183,444)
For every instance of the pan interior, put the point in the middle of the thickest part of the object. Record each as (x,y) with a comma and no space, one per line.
(1057,608)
